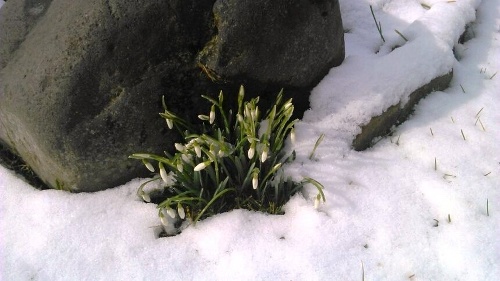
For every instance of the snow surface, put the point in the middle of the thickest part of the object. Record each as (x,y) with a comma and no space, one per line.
(387,208)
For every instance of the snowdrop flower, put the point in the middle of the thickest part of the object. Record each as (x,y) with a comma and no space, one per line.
(171,212)
(180,167)
(251,151)
(212,115)
(186,158)
(255,113)
(203,117)
(163,219)
(197,149)
(163,173)
(170,123)
(317,201)
(240,118)
(263,156)
(180,211)
(148,165)
(145,196)
(201,166)
(292,135)
(255,180)
(179,147)
(221,153)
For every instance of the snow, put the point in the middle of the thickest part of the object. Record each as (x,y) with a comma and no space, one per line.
(387,208)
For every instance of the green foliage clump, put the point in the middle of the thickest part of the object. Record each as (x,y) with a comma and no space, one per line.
(230,161)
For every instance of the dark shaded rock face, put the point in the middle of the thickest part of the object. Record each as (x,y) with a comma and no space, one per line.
(286,42)
(81,81)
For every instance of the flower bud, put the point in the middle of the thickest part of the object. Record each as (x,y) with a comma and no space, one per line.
(251,151)
(145,196)
(255,180)
(180,211)
(163,219)
(171,212)
(180,167)
(317,201)
(170,123)
(197,149)
(263,156)
(186,158)
(163,173)
(203,117)
(201,166)
(148,165)
(179,147)
(212,115)
(292,135)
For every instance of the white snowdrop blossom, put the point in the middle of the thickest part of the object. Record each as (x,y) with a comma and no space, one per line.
(148,165)
(263,156)
(251,151)
(171,212)
(179,147)
(317,201)
(203,117)
(180,167)
(201,166)
(180,211)
(145,196)
(163,173)
(163,219)
(255,180)
(186,158)
(197,149)
(292,135)
(170,123)
(212,115)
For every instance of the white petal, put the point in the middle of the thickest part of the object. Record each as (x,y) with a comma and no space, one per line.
(163,174)
(212,117)
(251,152)
(255,182)
(171,213)
(170,123)
(200,166)
(181,212)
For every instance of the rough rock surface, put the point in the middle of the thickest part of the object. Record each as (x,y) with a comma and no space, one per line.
(81,81)
(257,40)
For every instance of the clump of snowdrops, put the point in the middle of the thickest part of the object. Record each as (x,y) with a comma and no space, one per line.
(233,160)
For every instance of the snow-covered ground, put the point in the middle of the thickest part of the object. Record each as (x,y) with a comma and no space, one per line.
(413,207)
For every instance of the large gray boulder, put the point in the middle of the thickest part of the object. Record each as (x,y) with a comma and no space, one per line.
(81,81)
(286,42)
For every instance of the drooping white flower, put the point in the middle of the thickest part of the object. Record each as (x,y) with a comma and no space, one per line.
(317,201)
(186,158)
(203,117)
(255,180)
(170,123)
(163,219)
(171,212)
(179,147)
(251,151)
(180,167)
(145,196)
(180,211)
(148,165)
(263,156)
(212,115)
(292,135)
(163,173)
(201,166)
(197,149)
